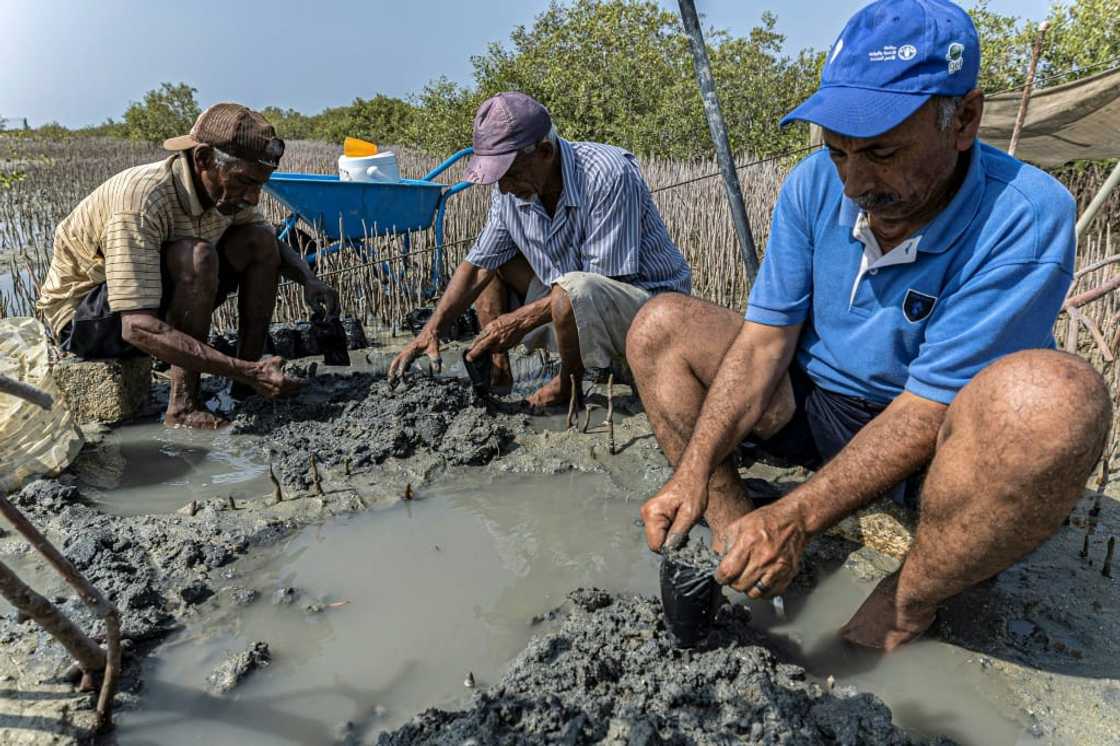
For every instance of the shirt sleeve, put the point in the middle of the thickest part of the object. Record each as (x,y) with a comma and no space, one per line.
(612,246)
(783,290)
(1001,310)
(132,244)
(494,246)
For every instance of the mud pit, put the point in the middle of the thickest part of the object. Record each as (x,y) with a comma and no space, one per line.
(1026,661)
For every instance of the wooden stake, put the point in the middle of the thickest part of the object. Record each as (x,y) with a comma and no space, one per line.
(610,415)
(1024,102)
(1107,569)
(407,492)
(316,481)
(277,494)
(571,422)
(1085,547)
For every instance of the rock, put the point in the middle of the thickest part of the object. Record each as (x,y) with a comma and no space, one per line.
(104,390)
(883,526)
(195,593)
(285,596)
(244,596)
(233,670)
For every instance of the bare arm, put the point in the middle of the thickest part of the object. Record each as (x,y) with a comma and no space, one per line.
(766,544)
(464,287)
(739,395)
(146,332)
(887,450)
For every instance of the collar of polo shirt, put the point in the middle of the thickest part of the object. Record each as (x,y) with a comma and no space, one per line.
(936,237)
(184,185)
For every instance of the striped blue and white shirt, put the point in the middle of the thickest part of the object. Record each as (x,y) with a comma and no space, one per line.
(605,223)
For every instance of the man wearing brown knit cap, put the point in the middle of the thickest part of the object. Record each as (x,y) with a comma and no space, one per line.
(141,263)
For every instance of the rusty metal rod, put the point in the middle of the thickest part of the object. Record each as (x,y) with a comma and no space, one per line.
(25,391)
(89,594)
(87,653)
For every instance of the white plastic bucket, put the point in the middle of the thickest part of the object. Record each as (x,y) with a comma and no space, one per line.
(380,167)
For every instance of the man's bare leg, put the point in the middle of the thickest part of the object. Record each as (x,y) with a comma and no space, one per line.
(489,305)
(254,255)
(674,349)
(515,274)
(1016,448)
(558,391)
(193,265)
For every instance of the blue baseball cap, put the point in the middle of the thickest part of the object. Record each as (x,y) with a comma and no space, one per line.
(889,60)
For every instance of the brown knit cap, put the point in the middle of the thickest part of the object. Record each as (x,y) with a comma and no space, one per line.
(236,130)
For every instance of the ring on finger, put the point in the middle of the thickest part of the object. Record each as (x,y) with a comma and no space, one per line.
(761,587)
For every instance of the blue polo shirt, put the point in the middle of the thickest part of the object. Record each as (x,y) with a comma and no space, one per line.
(983,279)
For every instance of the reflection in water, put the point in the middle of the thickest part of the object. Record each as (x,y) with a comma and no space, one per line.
(450,583)
(144,468)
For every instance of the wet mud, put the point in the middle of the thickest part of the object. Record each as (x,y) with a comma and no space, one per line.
(352,422)
(1042,636)
(611,675)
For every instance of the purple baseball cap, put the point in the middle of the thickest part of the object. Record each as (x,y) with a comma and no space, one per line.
(503,125)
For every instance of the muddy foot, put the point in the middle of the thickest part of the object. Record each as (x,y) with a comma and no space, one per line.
(883,622)
(557,393)
(199,419)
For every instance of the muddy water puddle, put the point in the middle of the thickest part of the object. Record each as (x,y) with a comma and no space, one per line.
(148,468)
(415,596)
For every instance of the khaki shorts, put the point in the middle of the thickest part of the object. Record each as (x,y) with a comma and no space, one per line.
(604,309)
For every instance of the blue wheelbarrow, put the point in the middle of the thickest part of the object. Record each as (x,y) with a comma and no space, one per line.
(345,212)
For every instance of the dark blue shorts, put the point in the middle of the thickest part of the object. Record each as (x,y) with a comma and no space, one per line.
(823,423)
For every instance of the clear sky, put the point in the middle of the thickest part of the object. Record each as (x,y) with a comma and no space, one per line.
(81,61)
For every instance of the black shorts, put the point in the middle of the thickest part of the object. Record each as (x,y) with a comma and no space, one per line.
(823,423)
(95,331)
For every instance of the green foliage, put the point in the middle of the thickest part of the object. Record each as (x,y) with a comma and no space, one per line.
(1082,37)
(165,112)
(620,71)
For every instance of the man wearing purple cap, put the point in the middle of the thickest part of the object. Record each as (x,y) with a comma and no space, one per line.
(572,230)
(141,263)
(897,340)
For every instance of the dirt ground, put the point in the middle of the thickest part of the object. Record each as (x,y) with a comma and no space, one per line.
(1047,628)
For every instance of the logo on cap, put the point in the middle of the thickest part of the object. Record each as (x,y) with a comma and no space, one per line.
(907,52)
(955,56)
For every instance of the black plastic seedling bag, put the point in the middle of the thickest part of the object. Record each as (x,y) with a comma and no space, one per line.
(330,335)
(691,597)
(479,371)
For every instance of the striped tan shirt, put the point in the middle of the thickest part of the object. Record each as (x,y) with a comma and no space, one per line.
(115,235)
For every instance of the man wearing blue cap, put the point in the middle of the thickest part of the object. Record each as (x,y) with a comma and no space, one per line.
(897,340)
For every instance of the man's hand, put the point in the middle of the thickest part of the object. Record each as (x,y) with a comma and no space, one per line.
(269,379)
(426,343)
(764,550)
(321,297)
(674,510)
(499,335)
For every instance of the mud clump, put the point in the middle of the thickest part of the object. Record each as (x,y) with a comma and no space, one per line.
(610,675)
(357,421)
(234,669)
